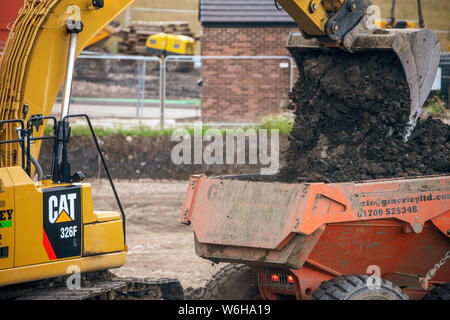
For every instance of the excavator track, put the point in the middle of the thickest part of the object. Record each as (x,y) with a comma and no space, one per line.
(96,286)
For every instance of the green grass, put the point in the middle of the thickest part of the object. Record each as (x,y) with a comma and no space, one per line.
(79,131)
(282,123)
(432,105)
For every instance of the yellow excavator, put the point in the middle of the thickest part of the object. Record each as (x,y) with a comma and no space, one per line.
(48,227)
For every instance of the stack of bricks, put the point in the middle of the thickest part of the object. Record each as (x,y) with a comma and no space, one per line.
(244,91)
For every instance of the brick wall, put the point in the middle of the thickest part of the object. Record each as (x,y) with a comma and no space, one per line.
(244,90)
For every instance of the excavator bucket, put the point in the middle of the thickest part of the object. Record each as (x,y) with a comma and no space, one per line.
(418,51)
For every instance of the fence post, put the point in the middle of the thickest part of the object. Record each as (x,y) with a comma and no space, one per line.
(141,88)
(162,91)
(127,18)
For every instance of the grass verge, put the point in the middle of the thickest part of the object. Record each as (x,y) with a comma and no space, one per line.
(282,123)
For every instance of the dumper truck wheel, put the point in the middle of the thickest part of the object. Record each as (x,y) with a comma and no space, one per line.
(232,282)
(441,292)
(355,288)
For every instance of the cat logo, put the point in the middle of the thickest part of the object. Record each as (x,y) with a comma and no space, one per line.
(61,208)
(61,235)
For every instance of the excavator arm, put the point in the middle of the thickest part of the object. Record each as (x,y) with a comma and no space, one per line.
(330,19)
(33,64)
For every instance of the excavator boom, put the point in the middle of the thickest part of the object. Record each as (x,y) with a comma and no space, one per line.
(33,63)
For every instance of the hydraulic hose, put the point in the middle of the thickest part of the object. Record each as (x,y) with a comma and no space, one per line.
(36,164)
(38,167)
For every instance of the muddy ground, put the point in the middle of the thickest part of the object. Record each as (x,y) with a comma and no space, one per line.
(152,196)
(159,246)
(351,112)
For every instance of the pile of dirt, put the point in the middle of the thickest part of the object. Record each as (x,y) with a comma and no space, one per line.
(350,113)
(142,157)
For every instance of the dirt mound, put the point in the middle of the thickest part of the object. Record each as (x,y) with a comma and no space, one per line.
(140,158)
(351,111)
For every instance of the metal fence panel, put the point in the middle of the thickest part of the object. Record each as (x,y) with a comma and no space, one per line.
(133,87)
(444,75)
(116,87)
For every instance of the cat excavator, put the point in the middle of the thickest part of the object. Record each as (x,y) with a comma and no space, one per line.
(48,227)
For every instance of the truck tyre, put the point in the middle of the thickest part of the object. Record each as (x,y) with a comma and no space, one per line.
(232,282)
(441,292)
(355,288)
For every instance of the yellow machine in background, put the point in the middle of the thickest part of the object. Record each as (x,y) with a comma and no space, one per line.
(403,24)
(164,44)
(101,37)
(393,23)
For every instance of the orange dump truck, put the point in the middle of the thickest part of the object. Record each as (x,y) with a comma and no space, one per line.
(381,239)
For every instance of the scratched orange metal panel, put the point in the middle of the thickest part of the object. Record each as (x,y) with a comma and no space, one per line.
(350,248)
(239,213)
(414,201)
(263,215)
(292,255)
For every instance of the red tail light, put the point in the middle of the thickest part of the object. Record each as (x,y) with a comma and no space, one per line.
(290,279)
(276,278)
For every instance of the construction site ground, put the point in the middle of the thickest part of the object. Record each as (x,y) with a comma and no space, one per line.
(159,246)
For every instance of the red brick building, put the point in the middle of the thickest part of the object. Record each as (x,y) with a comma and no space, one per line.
(247,90)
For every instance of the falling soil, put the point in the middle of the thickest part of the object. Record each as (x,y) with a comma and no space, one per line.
(350,113)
